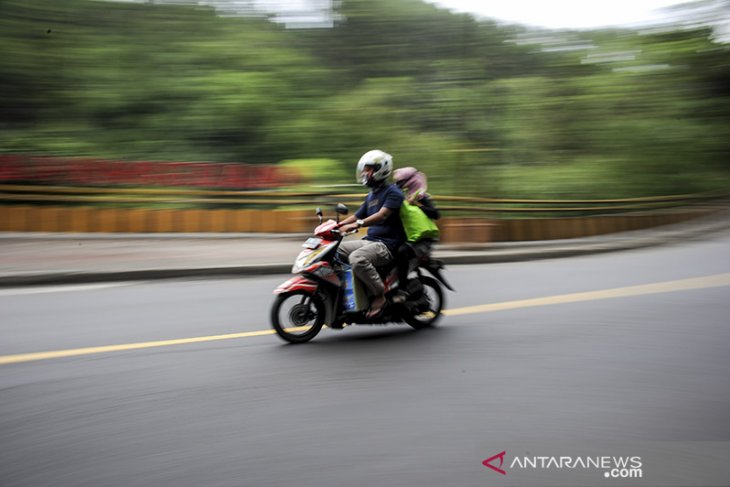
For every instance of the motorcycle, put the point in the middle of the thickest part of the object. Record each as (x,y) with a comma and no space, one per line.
(325,291)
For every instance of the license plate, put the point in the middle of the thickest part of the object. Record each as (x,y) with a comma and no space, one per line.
(312,243)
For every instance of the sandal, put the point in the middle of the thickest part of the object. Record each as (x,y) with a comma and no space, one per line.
(374,311)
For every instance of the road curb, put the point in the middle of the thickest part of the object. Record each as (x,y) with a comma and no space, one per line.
(55,278)
(450,255)
(466,258)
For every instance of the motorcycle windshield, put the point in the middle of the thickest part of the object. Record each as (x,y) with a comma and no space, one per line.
(312,243)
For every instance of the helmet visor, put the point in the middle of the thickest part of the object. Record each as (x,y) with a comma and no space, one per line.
(365,175)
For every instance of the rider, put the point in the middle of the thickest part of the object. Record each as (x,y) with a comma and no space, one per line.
(421,234)
(380,214)
(413,184)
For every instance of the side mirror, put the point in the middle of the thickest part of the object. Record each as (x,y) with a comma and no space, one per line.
(341,210)
(319,214)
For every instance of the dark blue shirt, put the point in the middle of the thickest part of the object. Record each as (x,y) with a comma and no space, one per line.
(390,232)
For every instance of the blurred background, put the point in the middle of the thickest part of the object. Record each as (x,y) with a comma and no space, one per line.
(486,108)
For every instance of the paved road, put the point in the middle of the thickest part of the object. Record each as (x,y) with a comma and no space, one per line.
(623,349)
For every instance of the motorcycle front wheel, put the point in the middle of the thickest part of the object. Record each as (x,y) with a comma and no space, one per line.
(434,297)
(297,316)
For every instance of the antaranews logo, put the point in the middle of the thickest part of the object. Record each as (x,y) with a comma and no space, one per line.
(488,462)
(613,467)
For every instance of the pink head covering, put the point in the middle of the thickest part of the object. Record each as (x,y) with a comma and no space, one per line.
(411,181)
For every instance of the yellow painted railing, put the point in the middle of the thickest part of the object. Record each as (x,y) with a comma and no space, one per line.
(61,209)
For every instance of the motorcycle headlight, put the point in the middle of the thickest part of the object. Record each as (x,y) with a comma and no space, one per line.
(305,261)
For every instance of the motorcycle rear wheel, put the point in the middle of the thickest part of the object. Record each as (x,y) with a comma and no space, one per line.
(297,316)
(432,289)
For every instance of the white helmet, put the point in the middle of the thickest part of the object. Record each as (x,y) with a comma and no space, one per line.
(382,164)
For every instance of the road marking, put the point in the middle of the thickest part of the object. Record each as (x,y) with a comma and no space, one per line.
(75,352)
(64,288)
(717,280)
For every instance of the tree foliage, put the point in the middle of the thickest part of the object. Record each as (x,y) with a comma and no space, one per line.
(484,109)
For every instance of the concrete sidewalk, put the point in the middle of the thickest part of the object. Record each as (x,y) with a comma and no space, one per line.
(34,259)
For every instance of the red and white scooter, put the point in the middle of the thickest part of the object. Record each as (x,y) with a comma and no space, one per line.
(325,292)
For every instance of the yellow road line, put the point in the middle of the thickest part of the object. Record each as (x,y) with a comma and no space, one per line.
(717,280)
(74,352)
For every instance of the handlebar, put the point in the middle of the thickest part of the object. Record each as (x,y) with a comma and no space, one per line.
(336,231)
(331,228)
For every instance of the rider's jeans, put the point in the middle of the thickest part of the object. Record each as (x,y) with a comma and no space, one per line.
(364,256)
